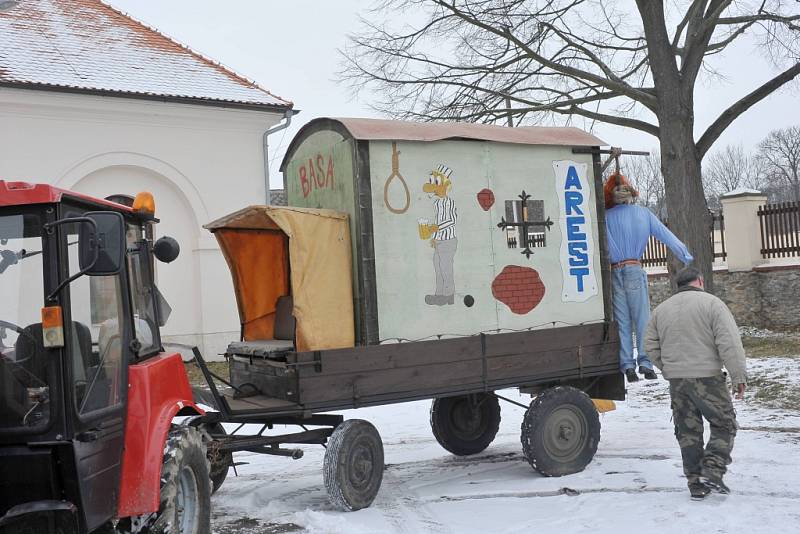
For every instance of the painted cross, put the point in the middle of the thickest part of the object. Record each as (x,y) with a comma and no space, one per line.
(523,224)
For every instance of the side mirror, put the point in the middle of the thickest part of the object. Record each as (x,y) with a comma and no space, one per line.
(166,249)
(102,245)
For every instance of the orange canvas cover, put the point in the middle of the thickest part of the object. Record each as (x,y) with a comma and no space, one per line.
(272,250)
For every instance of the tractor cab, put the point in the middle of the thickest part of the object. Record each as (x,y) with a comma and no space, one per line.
(78,307)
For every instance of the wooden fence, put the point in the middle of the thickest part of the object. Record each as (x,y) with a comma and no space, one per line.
(655,254)
(780,229)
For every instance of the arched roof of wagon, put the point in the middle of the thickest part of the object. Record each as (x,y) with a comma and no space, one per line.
(392,130)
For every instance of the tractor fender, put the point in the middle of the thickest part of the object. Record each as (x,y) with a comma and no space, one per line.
(158,390)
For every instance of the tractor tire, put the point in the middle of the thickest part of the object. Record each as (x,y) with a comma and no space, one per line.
(467,424)
(185,485)
(220,461)
(560,431)
(353,465)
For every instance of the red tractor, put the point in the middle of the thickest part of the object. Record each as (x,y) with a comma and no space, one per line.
(88,395)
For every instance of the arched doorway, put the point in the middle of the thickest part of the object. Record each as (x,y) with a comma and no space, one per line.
(178,281)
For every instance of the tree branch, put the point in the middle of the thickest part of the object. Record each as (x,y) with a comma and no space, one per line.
(713,132)
(697,7)
(718,46)
(759,18)
(698,39)
(622,88)
(611,119)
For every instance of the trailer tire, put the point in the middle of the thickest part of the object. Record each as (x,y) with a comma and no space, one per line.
(353,465)
(466,424)
(560,431)
(185,485)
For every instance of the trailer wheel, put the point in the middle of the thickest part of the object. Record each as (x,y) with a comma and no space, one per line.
(185,485)
(353,465)
(467,424)
(560,431)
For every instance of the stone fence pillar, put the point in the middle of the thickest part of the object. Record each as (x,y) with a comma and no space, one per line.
(742,229)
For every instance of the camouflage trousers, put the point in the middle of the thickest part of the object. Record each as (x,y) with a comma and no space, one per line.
(692,400)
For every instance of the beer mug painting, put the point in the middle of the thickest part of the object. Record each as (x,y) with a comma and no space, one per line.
(424,228)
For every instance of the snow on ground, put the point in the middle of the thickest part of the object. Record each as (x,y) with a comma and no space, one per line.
(634,484)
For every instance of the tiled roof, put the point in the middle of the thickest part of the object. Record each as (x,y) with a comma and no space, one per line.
(86,45)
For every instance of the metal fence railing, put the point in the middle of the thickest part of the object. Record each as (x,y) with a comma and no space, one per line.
(780,229)
(655,254)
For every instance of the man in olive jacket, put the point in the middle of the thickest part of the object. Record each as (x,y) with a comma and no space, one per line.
(690,337)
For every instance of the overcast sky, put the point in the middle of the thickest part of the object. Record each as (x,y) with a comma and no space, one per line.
(290,48)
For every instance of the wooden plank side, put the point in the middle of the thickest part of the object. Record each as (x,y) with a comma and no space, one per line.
(403,370)
(532,363)
(459,389)
(422,353)
(327,388)
(390,356)
(543,340)
(570,362)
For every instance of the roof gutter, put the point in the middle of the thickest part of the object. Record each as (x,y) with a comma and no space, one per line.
(210,102)
(278,127)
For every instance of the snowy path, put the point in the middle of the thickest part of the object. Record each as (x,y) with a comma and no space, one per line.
(633,485)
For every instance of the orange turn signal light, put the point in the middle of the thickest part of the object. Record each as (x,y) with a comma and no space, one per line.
(52,327)
(145,203)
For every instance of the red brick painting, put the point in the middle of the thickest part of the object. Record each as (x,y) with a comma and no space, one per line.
(519,288)
(486,199)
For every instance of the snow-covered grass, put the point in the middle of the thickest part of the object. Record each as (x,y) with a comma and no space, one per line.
(634,484)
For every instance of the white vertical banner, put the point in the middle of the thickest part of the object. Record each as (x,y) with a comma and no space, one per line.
(577,244)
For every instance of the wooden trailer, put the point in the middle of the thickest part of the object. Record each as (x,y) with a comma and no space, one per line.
(443,261)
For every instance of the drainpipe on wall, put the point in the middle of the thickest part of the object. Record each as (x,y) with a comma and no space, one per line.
(276,128)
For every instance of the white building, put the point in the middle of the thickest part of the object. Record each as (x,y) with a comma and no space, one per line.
(94,101)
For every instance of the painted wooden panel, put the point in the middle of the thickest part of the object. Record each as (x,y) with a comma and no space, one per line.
(472,276)
(321,175)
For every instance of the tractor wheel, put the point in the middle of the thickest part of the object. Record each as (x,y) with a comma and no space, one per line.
(185,485)
(467,424)
(560,431)
(353,465)
(219,460)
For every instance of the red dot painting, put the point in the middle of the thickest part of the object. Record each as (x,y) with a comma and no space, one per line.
(486,199)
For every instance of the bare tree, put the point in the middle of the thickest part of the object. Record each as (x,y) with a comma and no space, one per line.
(728,169)
(780,154)
(525,61)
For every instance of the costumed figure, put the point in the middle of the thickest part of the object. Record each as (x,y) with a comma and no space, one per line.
(629,227)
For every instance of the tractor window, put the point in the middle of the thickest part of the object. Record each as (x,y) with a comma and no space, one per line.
(144,324)
(24,362)
(95,339)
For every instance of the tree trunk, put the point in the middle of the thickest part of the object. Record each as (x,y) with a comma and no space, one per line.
(687,211)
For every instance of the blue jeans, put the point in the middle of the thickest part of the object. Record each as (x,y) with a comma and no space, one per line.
(632,312)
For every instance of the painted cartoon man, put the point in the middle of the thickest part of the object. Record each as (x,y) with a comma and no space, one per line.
(443,235)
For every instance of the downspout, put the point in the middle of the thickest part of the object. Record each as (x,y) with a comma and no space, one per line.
(288,116)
